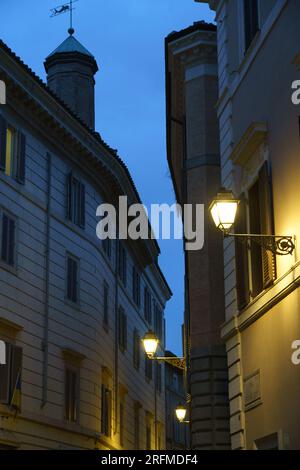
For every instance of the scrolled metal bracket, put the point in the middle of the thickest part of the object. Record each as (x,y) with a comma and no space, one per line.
(278,244)
(178,362)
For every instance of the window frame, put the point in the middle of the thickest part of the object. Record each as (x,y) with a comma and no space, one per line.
(67,299)
(12,268)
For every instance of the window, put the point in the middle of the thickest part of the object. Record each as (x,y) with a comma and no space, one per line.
(71,395)
(251,21)
(148,368)
(158,377)
(147,305)
(105,303)
(158,322)
(137,407)
(106,243)
(122,329)
(136,349)
(8,239)
(122,265)
(255,266)
(148,435)
(76,201)
(136,286)
(106,406)
(72,279)
(12,151)
(121,423)
(10,374)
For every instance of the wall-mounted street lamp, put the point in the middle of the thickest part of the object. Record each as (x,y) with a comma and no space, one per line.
(150,343)
(180,412)
(224,209)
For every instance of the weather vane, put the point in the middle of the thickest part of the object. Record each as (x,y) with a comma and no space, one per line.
(65,8)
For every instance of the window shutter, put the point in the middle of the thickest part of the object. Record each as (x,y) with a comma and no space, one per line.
(67,395)
(241,257)
(21,155)
(69,196)
(267,224)
(74,395)
(251,21)
(102,409)
(125,331)
(11,242)
(4,377)
(82,205)
(4,247)
(15,368)
(2,143)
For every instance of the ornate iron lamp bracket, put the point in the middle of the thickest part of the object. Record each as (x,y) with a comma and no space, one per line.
(178,362)
(277,244)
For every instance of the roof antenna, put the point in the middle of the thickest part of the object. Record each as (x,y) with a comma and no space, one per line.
(65,8)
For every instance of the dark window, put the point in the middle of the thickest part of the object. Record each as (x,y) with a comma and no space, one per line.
(10,374)
(158,377)
(8,239)
(147,305)
(105,303)
(12,151)
(72,279)
(158,322)
(122,265)
(136,349)
(106,405)
(71,395)
(148,368)
(76,201)
(122,329)
(250,20)
(148,436)
(121,423)
(106,243)
(136,286)
(136,426)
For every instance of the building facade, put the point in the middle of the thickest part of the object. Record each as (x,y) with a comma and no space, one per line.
(73,308)
(194,162)
(258,56)
(177,434)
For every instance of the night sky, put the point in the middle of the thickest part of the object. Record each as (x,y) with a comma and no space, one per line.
(127,40)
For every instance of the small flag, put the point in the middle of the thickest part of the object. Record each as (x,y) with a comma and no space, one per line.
(16,397)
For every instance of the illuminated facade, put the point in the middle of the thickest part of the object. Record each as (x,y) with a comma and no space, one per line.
(258,51)
(72,308)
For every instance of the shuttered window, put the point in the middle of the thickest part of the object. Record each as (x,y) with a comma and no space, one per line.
(71,395)
(136,426)
(72,279)
(251,21)
(8,238)
(147,305)
(10,372)
(158,322)
(75,201)
(241,256)
(106,243)
(136,286)
(148,368)
(122,329)
(158,378)
(105,303)
(106,405)
(262,262)
(12,151)
(122,264)
(136,349)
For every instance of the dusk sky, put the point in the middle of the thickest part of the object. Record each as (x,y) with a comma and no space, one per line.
(127,40)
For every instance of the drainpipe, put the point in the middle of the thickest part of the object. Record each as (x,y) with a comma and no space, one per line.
(46,298)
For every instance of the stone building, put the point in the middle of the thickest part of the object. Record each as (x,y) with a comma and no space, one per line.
(177,434)
(194,162)
(258,54)
(72,308)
